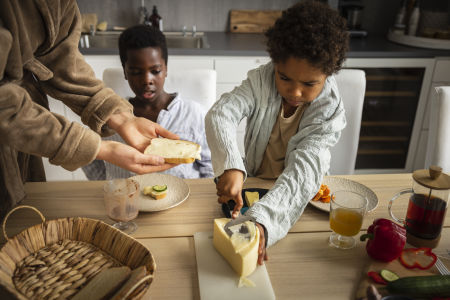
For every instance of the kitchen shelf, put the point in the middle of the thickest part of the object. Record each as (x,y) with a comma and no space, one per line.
(390,94)
(383,138)
(381,152)
(417,41)
(385,123)
(392,77)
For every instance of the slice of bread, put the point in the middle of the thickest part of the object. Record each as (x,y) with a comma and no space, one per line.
(149,191)
(174,151)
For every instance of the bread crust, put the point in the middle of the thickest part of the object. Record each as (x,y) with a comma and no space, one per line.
(179,160)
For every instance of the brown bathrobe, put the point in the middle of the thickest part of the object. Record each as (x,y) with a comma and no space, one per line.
(39,56)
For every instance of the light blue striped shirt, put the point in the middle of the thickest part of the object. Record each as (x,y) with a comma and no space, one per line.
(183,117)
(307,156)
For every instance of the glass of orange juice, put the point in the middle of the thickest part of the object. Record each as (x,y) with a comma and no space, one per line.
(347,210)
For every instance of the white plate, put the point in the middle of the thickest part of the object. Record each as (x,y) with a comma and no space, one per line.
(339,184)
(177,191)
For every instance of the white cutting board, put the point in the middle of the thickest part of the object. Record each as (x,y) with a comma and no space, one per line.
(217,280)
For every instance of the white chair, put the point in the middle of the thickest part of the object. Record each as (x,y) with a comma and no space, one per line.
(197,85)
(352,86)
(438,146)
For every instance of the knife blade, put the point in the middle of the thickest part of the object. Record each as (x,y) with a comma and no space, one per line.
(238,220)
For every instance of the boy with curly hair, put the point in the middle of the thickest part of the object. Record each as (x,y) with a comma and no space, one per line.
(294,116)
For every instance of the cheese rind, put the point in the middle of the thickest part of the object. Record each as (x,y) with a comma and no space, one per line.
(251,198)
(240,250)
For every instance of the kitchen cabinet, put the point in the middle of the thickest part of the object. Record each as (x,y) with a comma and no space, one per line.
(57,173)
(230,73)
(101,62)
(404,75)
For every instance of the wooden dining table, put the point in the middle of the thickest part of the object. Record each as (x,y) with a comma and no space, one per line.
(301,265)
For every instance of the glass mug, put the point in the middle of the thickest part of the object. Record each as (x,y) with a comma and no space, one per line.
(426,211)
(121,198)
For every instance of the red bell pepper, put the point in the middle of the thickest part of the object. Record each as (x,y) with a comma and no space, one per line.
(386,240)
(376,277)
(420,258)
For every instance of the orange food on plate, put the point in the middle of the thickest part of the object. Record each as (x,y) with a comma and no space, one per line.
(323,194)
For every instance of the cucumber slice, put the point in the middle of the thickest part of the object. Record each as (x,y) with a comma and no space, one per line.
(388,275)
(159,188)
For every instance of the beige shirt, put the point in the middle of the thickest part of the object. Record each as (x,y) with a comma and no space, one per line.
(272,164)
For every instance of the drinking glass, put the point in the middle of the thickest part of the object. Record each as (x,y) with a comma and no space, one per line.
(347,210)
(121,202)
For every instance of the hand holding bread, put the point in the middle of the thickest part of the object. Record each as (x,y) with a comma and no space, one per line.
(130,159)
(137,131)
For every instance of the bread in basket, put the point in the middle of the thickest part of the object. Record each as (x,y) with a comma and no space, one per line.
(57,258)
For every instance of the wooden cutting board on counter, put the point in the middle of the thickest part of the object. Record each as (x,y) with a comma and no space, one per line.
(396,267)
(218,281)
(252,21)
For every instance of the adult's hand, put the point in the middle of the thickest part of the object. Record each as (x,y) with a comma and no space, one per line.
(262,252)
(137,132)
(131,159)
(229,187)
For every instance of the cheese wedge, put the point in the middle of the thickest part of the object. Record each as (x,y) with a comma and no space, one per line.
(251,198)
(174,151)
(241,249)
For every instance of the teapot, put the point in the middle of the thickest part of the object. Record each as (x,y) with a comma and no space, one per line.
(426,208)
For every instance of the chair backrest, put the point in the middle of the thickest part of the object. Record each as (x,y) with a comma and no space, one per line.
(438,146)
(352,86)
(198,85)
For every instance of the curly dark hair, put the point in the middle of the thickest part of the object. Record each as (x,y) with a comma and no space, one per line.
(309,30)
(141,36)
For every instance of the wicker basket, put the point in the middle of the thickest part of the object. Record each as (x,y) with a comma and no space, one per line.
(55,259)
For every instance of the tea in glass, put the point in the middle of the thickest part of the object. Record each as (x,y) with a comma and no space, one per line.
(427,206)
(425,216)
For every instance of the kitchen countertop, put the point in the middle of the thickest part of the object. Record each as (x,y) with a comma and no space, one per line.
(247,44)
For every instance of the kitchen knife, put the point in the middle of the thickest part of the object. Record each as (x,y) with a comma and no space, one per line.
(238,220)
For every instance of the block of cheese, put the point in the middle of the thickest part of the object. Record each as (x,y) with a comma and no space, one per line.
(241,249)
(251,198)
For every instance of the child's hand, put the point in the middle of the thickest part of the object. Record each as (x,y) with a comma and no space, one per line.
(262,253)
(229,187)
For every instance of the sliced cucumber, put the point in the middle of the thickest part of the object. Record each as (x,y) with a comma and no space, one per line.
(159,188)
(388,275)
